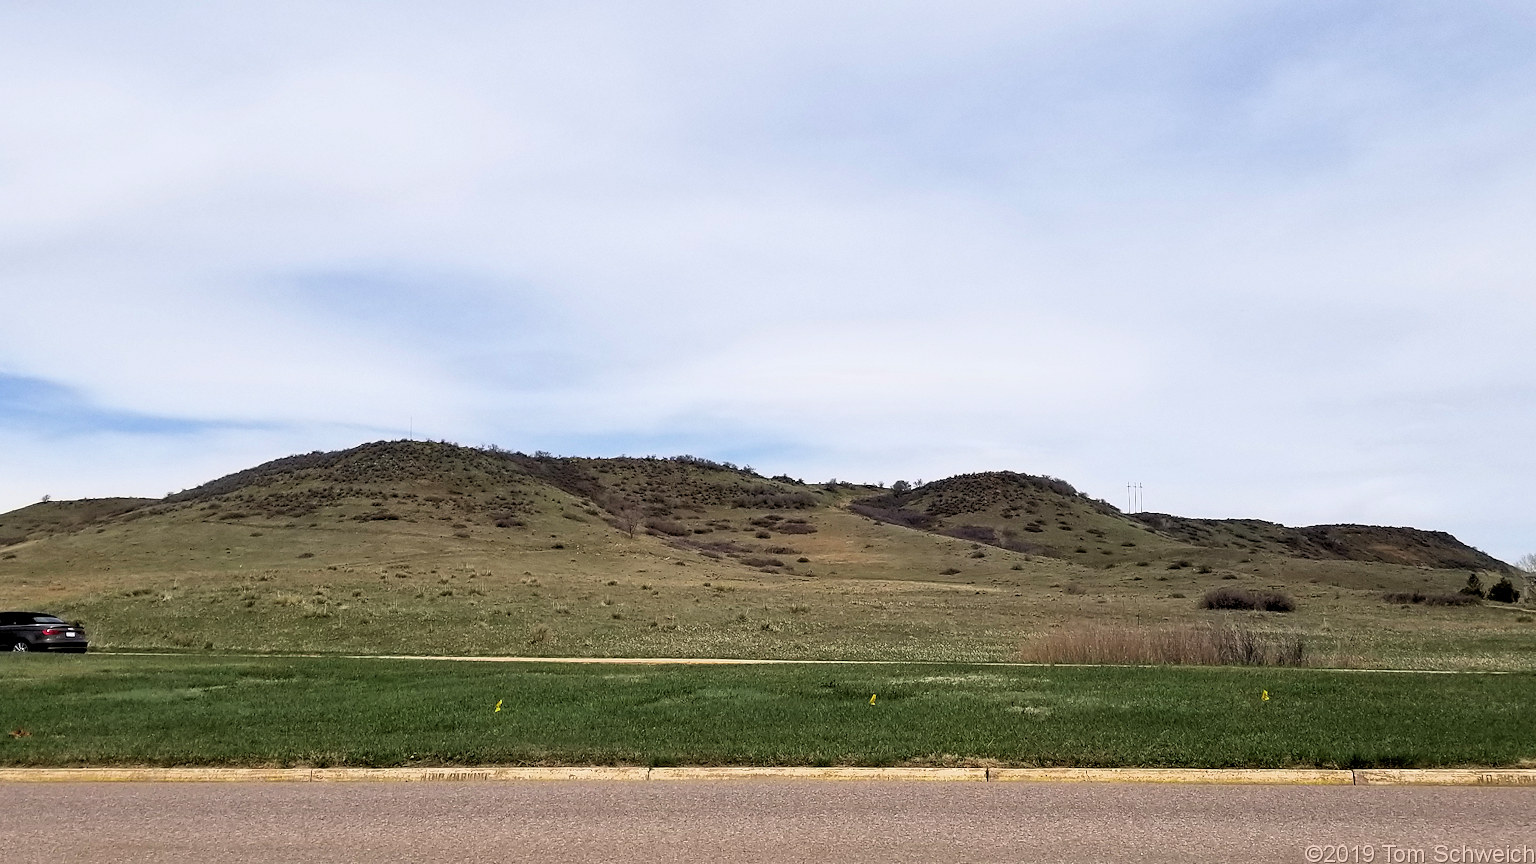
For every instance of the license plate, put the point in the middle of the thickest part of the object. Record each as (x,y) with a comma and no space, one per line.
(70,633)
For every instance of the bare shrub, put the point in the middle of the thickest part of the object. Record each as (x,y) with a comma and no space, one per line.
(627,519)
(772,498)
(796,528)
(1239,598)
(974,533)
(1452,600)
(895,516)
(1190,645)
(758,561)
(670,527)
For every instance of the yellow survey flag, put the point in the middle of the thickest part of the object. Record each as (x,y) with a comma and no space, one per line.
(1264,695)
(498,705)
(872,698)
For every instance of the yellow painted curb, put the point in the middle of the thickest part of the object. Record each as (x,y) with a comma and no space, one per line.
(152,775)
(1290,777)
(806,773)
(1446,777)
(589,772)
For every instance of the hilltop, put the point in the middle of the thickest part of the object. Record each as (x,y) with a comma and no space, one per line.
(482,550)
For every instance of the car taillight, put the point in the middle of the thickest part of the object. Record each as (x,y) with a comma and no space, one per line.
(53,631)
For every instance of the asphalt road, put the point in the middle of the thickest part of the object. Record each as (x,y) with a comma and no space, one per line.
(759,820)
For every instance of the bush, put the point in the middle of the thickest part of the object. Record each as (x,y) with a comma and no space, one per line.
(757,561)
(670,527)
(974,533)
(895,516)
(1238,598)
(796,528)
(1504,591)
(1474,586)
(1451,600)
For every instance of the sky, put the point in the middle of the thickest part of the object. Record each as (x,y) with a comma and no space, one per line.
(1267,259)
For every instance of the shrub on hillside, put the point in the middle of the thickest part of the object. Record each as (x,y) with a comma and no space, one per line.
(670,527)
(1409,597)
(974,533)
(1239,598)
(1504,591)
(1451,600)
(757,561)
(796,528)
(905,518)
(773,498)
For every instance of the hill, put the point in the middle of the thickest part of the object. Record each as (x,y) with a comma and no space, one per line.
(1048,516)
(424,547)
(1409,546)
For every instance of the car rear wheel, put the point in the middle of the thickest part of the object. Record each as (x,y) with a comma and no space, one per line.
(21,645)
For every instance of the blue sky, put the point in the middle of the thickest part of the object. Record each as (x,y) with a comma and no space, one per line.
(1270,260)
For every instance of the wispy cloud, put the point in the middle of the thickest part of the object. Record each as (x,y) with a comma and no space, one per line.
(48,409)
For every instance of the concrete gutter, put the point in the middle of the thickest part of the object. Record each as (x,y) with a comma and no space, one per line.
(1287,777)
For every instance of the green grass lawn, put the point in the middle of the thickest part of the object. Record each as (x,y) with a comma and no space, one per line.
(167,711)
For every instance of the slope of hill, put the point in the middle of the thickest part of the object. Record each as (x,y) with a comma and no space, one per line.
(1038,515)
(423,547)
(52,517)
(1408,546)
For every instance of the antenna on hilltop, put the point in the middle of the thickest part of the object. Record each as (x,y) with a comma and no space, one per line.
(1135,503)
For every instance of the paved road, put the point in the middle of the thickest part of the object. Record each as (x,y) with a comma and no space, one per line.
(759,820)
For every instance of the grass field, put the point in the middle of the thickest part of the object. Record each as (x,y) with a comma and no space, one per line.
(171,711)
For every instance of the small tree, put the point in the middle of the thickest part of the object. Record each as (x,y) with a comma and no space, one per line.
(1474,586)
(901,487)
(628,520)
(1527,563)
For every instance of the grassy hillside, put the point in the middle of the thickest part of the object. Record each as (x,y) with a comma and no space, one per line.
(421,547)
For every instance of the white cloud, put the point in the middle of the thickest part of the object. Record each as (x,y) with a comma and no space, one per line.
(1238,250)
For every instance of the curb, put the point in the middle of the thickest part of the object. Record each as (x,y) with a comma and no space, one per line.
(1206,776)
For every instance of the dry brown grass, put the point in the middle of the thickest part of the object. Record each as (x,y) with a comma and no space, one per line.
(1187,645)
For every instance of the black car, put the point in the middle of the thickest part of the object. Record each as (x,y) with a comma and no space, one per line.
(34,631)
